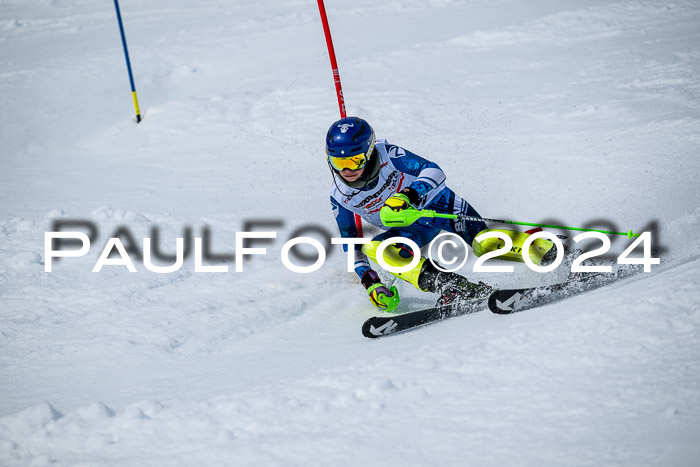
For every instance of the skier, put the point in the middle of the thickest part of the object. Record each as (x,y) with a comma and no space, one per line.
(369,174)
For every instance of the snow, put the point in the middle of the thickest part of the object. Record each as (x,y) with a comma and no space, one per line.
(562,112)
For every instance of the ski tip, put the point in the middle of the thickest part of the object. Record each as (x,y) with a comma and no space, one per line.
(366,329)
(378,327)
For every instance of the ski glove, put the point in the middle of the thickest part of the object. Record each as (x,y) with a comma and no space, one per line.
(381,296)
(402,200)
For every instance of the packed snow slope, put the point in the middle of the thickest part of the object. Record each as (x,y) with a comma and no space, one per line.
(557,111)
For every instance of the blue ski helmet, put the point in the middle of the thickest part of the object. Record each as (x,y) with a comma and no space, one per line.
(349,144)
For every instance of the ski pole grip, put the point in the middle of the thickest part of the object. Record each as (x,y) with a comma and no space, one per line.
(406,217)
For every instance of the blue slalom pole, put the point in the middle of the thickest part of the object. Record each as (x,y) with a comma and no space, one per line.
(128,63)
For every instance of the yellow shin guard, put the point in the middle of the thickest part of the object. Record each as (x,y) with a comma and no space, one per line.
(538,248)
(392,257)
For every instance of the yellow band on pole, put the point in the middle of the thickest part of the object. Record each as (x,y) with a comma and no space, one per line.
(136,105)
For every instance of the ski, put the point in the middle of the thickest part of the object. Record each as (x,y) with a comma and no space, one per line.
(507,301)
(379,326)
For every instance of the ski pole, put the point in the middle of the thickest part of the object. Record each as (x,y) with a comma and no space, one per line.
(128,63)
(407,217)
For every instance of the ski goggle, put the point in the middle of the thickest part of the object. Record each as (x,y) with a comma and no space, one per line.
(355,162)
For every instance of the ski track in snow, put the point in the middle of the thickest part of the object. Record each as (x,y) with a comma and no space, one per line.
(553,112)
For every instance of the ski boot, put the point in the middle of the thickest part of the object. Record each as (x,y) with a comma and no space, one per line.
(551,256)
(452,288)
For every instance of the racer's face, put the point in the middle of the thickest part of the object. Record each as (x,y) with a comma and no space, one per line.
(352,175)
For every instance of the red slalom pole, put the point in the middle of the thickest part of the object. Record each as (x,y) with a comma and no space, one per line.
(334,63)
(336,80)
